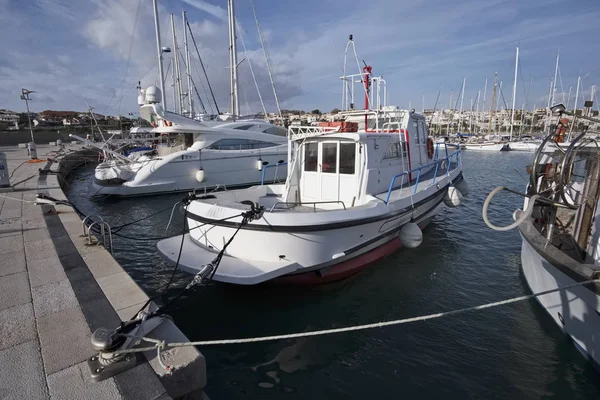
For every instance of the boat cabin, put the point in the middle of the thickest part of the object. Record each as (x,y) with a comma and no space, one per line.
(339,169)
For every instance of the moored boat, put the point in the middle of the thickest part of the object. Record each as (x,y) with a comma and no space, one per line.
(352,196)
(560,232)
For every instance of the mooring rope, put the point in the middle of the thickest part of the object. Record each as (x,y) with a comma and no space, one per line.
(165,345)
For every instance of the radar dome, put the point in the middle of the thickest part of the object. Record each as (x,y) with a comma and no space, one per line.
(153,95)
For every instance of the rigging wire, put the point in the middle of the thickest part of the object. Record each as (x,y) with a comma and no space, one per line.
(262,42)
(193,84)
(203,89)
(121,85)
(262,103)
(202,65)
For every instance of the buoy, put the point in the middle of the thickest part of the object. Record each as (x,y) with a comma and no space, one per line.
(411,235)
(200,175)
(259,164)
(452,197)
(463,187)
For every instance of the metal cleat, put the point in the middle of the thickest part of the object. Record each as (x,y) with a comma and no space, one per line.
(109,361)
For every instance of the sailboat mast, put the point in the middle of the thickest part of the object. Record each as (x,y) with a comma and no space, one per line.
(555,76)
(188,66)
(493,101)
(462,97)
(160,57)
(514,99)
(232,59)
(179,105)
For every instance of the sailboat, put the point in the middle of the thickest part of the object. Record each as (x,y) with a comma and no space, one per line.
(491,142)
(223,151)
(523,144)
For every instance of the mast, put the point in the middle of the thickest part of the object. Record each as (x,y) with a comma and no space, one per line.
(179,104)
(232,59)
(462,98)
(493,101)
(532,118)
(160,57)
(188,66)
(555,76)
(550,95)
(512,116)
(574,108)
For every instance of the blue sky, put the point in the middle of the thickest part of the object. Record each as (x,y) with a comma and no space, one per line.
(71,52)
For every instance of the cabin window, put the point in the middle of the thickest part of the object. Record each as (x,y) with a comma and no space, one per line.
(188,139)
(311,156)
(347,157)
(240,144)
(276,130)
(423,131)
(395,150)
(329,158)
(243,127)
(417,132)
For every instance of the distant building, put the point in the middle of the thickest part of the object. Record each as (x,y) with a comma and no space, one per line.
(9,118)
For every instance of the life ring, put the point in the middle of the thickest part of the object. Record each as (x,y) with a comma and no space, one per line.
(430,150)
(560,130)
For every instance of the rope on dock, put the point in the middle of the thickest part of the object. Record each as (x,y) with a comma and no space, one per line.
(164,346)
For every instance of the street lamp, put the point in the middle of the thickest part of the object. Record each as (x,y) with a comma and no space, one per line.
(25,96)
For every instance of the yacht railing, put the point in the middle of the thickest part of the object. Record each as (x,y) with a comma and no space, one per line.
(454,156)
(262,180)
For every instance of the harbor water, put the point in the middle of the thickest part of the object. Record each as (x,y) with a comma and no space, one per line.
(514,351)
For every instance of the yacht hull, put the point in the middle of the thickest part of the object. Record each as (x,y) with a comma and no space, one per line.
(179,174)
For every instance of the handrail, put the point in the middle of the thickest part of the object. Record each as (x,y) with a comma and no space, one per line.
(314,203)
(262,180)
(448,159)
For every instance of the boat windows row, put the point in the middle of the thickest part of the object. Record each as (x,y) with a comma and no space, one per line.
(330,153)
(240,144)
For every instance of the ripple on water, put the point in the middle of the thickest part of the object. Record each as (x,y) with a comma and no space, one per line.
(510,352)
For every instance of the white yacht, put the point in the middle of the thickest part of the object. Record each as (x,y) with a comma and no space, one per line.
(560,230)
(190,154)
(352,196)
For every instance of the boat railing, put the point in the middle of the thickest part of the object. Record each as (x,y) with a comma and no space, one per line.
(301,132)
(447,161)
(262,180)
(302,203)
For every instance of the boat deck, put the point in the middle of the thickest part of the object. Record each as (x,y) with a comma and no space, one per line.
(404,190)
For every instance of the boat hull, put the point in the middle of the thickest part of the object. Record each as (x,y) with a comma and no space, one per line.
(177,175)
(487,146)
(524,146)
(575,311)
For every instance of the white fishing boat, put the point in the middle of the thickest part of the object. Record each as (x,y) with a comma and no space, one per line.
(560,230)
(351,198)
(208,152)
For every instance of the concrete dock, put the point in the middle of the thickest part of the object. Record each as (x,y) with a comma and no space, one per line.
(55,290)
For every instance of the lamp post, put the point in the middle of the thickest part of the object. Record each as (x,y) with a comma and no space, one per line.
(25,96)
(31,146)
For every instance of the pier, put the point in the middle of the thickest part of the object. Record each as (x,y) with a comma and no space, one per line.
(56,289)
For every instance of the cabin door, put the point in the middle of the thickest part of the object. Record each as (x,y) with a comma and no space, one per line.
(329,178)
(420,142)
(310,182)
